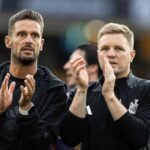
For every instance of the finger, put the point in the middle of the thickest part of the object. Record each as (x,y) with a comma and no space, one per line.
(108,67)
(78,62)
(22,99)
(23,90)
(101,60)
(4,86)
(108,70)
(12,87)
(31,82)
(30,91)
(75,58)
(79,68)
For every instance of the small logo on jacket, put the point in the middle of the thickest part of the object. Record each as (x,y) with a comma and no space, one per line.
(133,106)
(88,109)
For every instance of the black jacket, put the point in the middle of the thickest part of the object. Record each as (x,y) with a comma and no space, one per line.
(40,128)
(99,131)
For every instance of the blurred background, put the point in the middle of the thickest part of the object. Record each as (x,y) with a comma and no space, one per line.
(69,23)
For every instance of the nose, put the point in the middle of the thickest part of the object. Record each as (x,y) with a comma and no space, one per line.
(111,52)
(28,39)
(67,65)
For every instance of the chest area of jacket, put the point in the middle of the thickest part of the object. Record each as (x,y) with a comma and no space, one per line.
(98,107)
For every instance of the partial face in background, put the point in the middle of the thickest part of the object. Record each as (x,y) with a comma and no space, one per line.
(25,42)
(68,72)
(118,52)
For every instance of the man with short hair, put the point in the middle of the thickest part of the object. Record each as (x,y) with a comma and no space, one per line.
(31,109)
(114,112)
(89,53)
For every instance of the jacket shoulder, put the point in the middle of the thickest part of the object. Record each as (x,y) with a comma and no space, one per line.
(136,81)
(52,80)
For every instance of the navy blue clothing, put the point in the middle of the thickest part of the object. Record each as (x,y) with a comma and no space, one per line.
(99,131)
(40,128)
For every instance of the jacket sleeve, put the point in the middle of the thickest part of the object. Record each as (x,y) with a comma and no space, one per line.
(41,127)
(136,128)
(2,117)
(73,129)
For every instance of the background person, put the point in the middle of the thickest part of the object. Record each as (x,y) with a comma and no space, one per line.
(89,52)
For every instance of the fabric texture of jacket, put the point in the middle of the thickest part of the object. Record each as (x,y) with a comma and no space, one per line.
(40,128)
(98,131)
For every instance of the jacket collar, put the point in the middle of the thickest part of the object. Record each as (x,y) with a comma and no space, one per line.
(129,80)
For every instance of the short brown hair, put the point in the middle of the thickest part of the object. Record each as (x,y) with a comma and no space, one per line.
(112,28)
(25,14)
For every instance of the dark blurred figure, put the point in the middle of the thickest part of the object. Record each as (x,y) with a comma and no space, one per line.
(89,52)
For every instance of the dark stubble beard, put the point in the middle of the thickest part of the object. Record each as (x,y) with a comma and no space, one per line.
(24,61)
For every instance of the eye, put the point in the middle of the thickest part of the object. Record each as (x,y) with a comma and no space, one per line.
(119,48)
(104,48)
(21,34)
(35,35)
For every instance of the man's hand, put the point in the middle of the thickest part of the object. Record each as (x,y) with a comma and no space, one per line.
(27,92)
(116,109)
(6,94)
(79,71)
(110,78)
(78,106)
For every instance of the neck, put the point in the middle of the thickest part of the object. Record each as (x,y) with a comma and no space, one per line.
(122,75)
(20,71)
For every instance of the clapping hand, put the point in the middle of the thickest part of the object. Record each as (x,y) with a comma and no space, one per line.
(6,93)
(27,92)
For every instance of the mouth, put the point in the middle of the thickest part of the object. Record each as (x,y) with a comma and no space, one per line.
(69,75)
(112,64)
(27,50)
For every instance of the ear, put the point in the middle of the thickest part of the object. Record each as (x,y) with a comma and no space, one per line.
(8,41)
(132,53)
(42,43)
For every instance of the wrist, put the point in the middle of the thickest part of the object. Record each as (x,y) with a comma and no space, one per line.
(25,110)
(109,96)
(81,89)
(25,107)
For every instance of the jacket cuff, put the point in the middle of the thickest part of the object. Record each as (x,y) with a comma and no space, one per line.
(30,119)
(71,115)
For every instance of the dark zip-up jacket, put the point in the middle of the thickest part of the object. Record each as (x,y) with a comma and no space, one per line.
(40,128)
(99,131)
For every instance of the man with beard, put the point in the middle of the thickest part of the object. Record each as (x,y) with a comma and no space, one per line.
(31,109)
